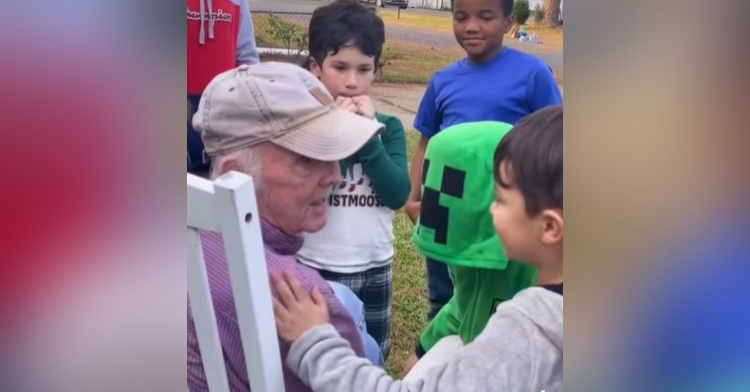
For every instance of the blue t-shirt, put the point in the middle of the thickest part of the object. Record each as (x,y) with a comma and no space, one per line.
(507,88)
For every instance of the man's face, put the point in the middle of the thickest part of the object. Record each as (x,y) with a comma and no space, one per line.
(294,190)
(347,73)
(479,26)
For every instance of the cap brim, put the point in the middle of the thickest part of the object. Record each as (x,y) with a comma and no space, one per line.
(334,136)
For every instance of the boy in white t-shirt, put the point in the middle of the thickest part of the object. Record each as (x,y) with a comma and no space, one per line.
(356,246)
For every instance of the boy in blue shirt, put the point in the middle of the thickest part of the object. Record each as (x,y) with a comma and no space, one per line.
(493,83)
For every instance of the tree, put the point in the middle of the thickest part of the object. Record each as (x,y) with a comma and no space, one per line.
(551,13)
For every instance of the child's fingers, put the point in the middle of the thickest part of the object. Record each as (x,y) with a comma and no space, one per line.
(344,101)
(318,298)
(286,297)
(296,288)
(279,311)
(350,107)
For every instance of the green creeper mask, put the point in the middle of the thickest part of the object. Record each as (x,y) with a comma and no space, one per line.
(455,225)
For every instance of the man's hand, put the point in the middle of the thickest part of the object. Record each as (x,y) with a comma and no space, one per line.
(409,365)
(412,210)
(364,106)
(296,311)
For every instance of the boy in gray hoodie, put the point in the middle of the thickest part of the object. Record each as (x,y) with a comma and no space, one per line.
(521,348)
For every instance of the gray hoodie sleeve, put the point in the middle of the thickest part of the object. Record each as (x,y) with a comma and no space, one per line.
(324,361)
(247,52)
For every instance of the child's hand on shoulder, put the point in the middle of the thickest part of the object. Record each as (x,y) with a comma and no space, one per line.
(295,310)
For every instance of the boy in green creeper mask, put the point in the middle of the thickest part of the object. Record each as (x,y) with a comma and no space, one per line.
(456,227)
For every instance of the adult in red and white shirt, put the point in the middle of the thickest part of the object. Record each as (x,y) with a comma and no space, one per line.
(220,36)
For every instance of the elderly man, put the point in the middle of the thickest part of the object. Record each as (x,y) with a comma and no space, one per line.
(277,123)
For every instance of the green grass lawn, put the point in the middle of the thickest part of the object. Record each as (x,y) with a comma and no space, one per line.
(401,62)
(409,287)
(443,21)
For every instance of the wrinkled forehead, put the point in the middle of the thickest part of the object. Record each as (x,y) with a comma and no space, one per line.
(289,163)
(274,153)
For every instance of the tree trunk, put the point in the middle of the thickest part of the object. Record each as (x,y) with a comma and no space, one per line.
(551,13)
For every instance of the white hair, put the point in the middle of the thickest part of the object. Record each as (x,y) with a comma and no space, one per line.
(247,160)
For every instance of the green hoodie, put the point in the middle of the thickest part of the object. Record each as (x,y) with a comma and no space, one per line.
(455,227)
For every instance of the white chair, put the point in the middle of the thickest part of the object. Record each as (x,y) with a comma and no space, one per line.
(228,206)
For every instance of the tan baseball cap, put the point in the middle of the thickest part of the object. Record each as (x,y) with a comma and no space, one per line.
(280,103)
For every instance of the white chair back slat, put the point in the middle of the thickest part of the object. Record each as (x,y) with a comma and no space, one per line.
(237,210)
(200,201)
(204,317)
(228,205)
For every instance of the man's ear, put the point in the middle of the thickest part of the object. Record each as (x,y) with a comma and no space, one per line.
(227,164)
(313,67)
(552,226)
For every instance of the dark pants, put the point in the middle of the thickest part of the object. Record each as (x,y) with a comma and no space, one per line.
(195,163)
(439,286)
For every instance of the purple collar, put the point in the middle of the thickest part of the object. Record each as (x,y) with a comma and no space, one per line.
(280,242)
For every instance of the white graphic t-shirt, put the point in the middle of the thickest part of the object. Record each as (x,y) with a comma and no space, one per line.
(359,233)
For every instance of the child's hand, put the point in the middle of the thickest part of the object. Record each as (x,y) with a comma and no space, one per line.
(347,103)
(295,310)
(413,359)
(364,106)
(412,209)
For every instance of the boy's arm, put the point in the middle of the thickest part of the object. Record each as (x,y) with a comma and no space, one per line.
(502,358)
(414,203)
(325,362)
(247,52)
(427,123)
(542,88)
(383,159)
(445,323)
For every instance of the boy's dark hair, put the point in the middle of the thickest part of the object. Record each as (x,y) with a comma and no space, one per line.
(335,25)
(533,151)
(506,5)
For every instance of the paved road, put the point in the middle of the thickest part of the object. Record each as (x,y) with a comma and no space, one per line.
(436,39)
(307,6)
